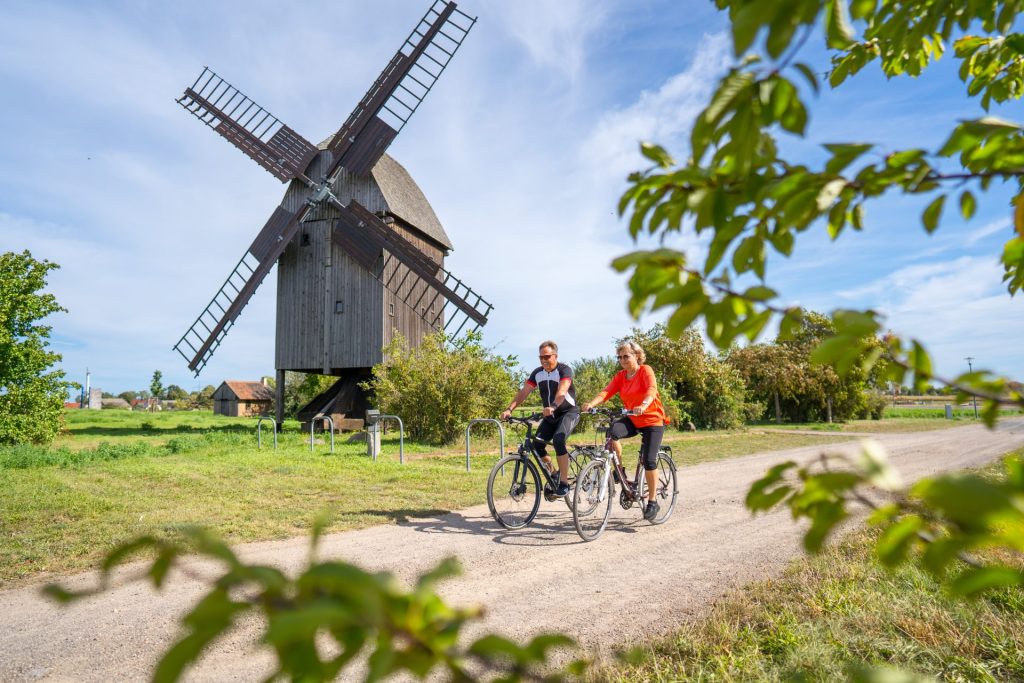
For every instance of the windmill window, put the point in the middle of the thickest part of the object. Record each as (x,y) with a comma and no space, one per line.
(305,239)
(339,306)
(391,310)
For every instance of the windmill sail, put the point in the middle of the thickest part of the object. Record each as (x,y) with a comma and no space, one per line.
(248,126)
(205,334)
(363,235)
(398,91)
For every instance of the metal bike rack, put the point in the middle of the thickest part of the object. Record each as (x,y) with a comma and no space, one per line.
(259,431)
(312,423)
(401,437)
(501,436)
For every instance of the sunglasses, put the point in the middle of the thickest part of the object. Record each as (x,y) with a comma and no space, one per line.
(545,356)
(625,355)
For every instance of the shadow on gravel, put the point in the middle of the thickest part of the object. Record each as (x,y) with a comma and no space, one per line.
(549,528)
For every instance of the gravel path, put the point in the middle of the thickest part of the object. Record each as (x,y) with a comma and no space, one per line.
(710,545)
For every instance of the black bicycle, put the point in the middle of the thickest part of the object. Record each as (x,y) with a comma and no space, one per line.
(594,492)
(514,484)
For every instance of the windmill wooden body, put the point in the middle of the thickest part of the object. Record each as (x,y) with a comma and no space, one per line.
(360,252)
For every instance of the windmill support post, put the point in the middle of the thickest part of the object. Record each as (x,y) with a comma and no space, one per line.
(279,399)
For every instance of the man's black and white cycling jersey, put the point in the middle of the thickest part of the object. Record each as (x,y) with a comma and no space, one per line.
(547,383)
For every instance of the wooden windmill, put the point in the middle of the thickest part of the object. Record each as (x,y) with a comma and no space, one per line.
(359,250)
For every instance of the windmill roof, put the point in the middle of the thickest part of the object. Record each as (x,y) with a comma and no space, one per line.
(405,199)
(250,391)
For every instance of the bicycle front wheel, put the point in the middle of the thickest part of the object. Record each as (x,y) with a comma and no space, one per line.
(513,492)
(666,490)
(592,499)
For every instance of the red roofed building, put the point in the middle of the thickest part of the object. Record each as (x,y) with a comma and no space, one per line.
(242,399)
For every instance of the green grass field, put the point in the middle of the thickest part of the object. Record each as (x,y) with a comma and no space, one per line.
(113,475)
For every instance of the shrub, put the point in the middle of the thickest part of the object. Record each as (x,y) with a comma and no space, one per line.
(876,403)
(439,386)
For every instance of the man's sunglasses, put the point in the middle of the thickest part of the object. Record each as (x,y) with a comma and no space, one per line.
(545,356)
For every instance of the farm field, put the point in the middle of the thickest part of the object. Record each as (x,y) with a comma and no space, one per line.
(113,475)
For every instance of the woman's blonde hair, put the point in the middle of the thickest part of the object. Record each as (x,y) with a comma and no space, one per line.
(635,349)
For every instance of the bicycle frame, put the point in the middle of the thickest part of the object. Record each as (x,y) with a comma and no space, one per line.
(527,448)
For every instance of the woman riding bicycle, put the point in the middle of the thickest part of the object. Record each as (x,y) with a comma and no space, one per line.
(636,386)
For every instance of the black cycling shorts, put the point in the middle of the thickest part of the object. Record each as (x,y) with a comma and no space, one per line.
(650,444)
(556,429)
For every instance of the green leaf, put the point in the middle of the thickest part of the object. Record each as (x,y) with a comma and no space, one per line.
(812,80)
(837,28)
(843,155)
(493,647)
(446,569)
(824,519)
(759,293)
(829,192)
(931,215)
(657,154)
(967,205)
(760,498)
(973,581)
(875,465)
(896,540)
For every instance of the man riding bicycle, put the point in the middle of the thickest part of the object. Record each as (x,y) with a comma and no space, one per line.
(561,413)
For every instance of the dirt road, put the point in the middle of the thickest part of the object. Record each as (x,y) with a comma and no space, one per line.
(637,580)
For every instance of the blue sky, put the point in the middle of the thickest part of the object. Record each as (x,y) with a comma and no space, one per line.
(522,148)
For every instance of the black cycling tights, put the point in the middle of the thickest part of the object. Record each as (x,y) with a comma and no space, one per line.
(623,428)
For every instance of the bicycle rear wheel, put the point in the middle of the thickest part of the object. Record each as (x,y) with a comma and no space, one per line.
(666,491)
(591,509)
(513,492)
(578,459)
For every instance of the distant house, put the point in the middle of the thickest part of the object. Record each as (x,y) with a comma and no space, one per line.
(241,399)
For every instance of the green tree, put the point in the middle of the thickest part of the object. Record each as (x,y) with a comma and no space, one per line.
(156,387)
(738,189)
(439,386)
(772,374)
(32,394)
(783,377)
(300,388)
(203,399)
(128,396)
(695,385)
(176,393)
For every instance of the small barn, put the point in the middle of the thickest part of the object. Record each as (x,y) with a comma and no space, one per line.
(242,399)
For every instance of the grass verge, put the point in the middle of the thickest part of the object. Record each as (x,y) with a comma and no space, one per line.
(112,477)
(828,615)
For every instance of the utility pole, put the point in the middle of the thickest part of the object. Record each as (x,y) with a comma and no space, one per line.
(969,359)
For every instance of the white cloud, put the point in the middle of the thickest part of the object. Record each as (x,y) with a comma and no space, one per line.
(992,228)
(554,33)
(958,308)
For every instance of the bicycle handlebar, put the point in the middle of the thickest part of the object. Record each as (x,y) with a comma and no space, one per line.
(524,420)
(611,412)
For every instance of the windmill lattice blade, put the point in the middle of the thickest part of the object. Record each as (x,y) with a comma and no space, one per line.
(197,345)
(248,126)
(363,235)
(396,94)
